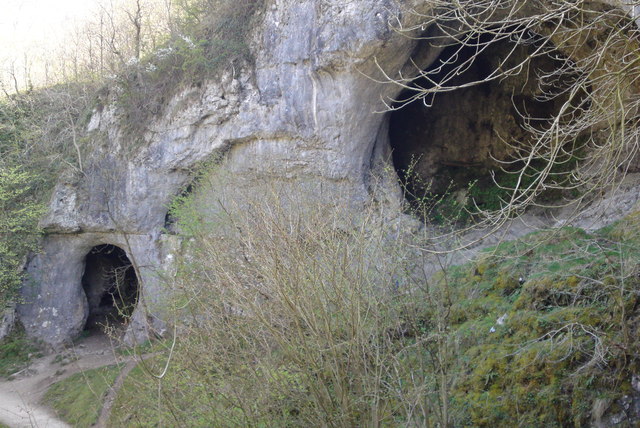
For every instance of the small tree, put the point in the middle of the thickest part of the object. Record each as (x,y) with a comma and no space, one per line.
(19,214)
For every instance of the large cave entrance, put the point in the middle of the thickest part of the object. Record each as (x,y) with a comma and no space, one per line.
(111,286)
(446,148)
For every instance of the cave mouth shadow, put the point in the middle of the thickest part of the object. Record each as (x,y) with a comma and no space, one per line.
(447,148)
(111,286)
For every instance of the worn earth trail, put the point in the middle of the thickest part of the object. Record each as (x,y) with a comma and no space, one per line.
(20,397)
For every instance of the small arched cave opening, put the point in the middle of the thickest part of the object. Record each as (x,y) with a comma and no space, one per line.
(450,148)
(111,286)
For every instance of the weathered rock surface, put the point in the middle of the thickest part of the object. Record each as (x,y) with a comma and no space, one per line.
(7,321)
(307,110)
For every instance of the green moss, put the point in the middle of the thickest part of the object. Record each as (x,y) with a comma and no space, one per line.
(506,283)
(564,339)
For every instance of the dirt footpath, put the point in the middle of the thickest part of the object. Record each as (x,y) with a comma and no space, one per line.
(20,397)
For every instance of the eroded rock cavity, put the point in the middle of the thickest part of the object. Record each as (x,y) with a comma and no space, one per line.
(455,138)
(111,286)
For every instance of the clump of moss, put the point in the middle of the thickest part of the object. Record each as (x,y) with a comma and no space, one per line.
(545,325)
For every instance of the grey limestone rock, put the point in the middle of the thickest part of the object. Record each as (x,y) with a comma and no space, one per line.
(306,111)
(7,321)
(309,111)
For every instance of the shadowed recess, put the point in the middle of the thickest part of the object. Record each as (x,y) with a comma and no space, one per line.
(454,139)
(111,286)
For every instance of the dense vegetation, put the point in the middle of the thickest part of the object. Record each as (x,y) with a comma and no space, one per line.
(26,175)
(298,322)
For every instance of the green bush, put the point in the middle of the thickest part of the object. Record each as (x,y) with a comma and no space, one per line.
(19,206)
(19,215)
(40,135)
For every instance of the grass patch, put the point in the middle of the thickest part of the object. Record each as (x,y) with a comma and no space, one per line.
(183,397)
(78,399)
(138,403)
(16,352)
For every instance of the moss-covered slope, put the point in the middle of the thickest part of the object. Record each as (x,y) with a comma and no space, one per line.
(545,327)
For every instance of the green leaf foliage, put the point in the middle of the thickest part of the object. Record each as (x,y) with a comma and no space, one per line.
(20,208)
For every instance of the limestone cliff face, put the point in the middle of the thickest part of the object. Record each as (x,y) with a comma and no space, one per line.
(307,111)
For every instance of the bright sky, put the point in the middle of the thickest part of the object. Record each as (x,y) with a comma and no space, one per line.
(38,22)
(36,27)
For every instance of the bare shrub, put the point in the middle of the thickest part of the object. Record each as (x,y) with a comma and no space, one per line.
(594,46)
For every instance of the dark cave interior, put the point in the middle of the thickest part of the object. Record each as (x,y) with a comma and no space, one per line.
(111,286)
(453,140)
